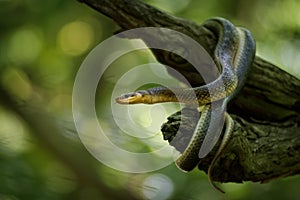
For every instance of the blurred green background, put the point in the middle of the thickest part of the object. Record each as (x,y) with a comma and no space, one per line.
(42,44)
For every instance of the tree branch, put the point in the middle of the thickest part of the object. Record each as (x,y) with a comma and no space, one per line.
(266,140)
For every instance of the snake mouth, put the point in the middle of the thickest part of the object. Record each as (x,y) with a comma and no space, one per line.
(129,98)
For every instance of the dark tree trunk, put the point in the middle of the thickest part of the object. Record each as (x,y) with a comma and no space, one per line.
(266,140)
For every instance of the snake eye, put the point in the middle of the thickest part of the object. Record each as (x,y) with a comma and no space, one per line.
(126,98)
(129,95)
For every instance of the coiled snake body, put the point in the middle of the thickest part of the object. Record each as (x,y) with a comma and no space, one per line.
(233,55)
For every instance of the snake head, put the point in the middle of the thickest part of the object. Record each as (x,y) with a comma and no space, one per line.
(133,97)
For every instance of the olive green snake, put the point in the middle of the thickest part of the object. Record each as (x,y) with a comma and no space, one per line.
(233,55)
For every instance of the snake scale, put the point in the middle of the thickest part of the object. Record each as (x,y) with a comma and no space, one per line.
(234,54)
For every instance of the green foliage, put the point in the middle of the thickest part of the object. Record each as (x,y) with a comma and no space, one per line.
(42,46)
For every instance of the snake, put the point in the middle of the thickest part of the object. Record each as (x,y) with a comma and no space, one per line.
(234,54)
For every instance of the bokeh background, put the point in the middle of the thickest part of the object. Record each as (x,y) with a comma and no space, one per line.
(43,43)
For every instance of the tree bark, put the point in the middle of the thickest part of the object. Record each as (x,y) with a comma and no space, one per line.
(266,139)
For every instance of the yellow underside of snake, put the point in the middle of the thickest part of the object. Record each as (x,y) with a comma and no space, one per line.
(233,55)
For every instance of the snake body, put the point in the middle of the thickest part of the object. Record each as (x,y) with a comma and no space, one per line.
(233,55)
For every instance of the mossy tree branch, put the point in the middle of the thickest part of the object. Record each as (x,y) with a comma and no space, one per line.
(266,140)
